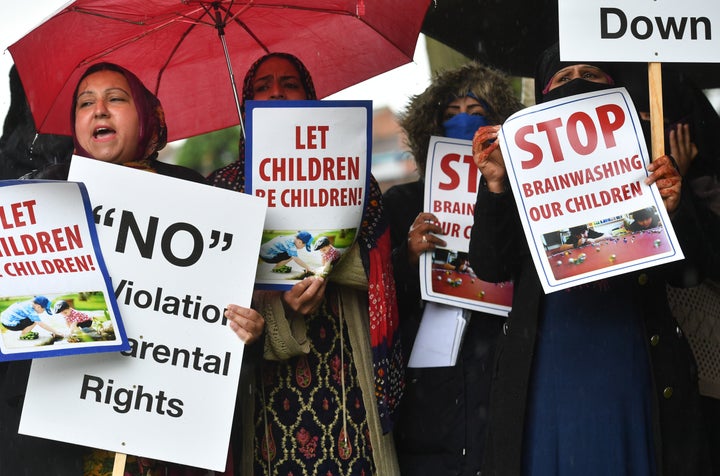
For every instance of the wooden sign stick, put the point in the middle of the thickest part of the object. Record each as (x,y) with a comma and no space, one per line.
(657,129)
(119,464)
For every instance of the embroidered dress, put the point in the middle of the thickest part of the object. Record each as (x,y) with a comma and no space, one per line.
(307,401)
(304,436)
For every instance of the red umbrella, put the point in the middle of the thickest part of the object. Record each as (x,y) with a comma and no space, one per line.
(183,50)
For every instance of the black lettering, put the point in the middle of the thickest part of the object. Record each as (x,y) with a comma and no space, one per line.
(95,388)
(635,30)
(196,252)
(128,223)
(604,30)
(671,26)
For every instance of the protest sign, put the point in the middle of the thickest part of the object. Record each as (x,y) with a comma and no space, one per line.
(310,162)
(49,255)
(639,30)
(177,253)
(451,185)
(577,167)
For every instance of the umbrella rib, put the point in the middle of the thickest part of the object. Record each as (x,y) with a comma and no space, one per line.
(101,15)
(240,23)
(252,3)
(170,57)
(154,29)
(173,17)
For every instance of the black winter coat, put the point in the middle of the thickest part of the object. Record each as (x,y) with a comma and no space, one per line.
(442,416)
(498,252)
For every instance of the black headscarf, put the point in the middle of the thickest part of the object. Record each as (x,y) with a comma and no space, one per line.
(549,63)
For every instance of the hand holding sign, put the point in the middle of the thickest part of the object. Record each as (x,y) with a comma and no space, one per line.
(305,297)
(247,323)
(668,181)
(422,236)
(488,157)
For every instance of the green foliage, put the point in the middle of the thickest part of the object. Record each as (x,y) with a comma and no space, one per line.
(342,238)
(209,152)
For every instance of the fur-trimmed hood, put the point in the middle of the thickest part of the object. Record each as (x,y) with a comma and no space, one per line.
(422,117)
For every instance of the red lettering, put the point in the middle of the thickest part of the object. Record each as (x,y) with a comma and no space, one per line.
(468,229)
(473,172)
(550,129)
(323,137)
(261,169)
(446,167)
(298,142)
(527,189)
(608,126)
(312,137)
(534,150)
(17,215)
(590,132)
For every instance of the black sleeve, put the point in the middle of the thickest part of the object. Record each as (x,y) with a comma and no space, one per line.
(497,241)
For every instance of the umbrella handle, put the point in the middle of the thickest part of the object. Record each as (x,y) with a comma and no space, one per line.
(232,83)
(220,26)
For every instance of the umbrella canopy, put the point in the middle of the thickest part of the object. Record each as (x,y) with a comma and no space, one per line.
(176,48)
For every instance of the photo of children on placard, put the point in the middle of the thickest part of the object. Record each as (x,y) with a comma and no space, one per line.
(452,275)
(54,320)
(296,254)
(609,242)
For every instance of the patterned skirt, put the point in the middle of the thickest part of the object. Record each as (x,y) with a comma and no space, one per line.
(309,411)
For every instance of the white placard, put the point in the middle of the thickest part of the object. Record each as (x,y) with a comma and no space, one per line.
(640,31)
(178,253)
(582,161)
(310,162)
(451,185)
(439,336)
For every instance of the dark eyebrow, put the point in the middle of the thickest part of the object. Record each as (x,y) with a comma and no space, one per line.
(281,78)
(86,92)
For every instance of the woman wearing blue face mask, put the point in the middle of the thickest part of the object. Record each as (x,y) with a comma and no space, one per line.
(442,413)
(464,115)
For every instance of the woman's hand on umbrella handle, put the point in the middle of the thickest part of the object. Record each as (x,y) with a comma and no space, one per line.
(669,182)
(488,158)
(305,297)
(422,236)
(247,323)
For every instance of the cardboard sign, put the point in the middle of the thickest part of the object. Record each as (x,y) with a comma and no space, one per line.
(177,253)
(310,162)
(580,162)
(451,185)
(50,255)
(640,30)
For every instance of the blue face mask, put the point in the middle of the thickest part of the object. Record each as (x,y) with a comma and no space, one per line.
(463,126)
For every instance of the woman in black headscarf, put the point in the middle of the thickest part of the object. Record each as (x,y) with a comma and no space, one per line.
(581,387)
